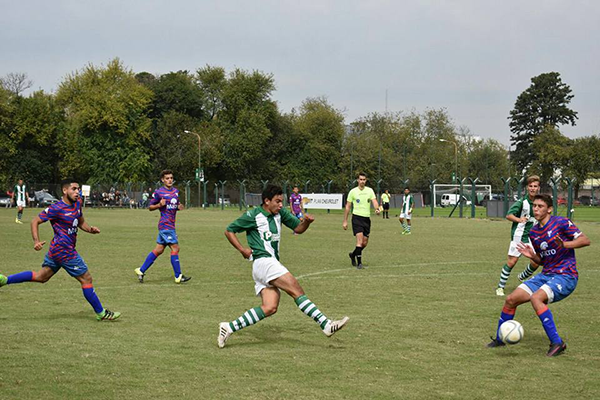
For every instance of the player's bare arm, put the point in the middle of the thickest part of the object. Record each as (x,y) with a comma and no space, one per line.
(376,205)
(346,212)
(235,242)
(514,218)
(308,219)
(579,242)
(84,226)
(35,233)
(158,205)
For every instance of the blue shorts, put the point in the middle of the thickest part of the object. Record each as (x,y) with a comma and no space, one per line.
(168,236)
(299,215)
(74,267)
(557,287)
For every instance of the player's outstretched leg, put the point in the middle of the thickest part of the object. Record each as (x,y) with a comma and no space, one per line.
(152,256)
(25,276)
(526,274)
(507,314)
(328,326)
(248,318)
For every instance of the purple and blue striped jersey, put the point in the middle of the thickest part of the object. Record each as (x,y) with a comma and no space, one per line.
(64,219)
(296,202)
(555,259)
(169,211)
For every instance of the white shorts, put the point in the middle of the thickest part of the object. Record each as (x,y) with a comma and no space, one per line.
(21,203)
(405,215)
(265,270)
(512,250)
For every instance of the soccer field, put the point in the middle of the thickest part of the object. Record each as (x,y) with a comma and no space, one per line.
(420,316)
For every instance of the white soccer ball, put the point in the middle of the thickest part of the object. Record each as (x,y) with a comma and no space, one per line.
(511,332)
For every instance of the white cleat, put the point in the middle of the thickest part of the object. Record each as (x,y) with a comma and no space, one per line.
(224,333)
(334,326)
(499,291)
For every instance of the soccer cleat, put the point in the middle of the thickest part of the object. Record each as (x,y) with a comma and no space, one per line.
(334,326)
(359,266)
(18,221)
(556,349)
(499,291)
(140,274)
(407,233)
(108,315)
(495,343)
(3,280)
(224,333)
(352,259)
(182,278)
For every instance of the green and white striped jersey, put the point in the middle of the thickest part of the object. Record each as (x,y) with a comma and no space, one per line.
(20,192)
(263,230)
(407,202)
(522,208)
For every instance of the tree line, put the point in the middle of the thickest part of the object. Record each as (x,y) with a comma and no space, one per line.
(108,124)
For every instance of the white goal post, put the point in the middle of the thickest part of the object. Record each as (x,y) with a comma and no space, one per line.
(481,191)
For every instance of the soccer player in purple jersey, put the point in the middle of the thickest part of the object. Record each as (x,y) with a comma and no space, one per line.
(554,241)
(66,218)
(296,205)
(165,199)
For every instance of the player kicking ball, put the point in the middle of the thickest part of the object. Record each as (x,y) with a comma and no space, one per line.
(66,218)
(263,231)
(554,241)
(165,199)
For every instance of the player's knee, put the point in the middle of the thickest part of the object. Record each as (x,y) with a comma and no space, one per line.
(511,301)
(174,250)
(158,252)
(269,310)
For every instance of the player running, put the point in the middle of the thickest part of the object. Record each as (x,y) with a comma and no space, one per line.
(522,221)
(66,218)
(19,195)
(408,203)
(165,199)
(554,242)
(263,232)
(360,199)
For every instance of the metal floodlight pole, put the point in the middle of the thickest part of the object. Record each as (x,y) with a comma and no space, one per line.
(199,166)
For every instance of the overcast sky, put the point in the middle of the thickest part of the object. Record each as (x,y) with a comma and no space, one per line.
(472,57)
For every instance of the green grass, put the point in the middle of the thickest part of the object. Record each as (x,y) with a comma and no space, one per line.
(420,316)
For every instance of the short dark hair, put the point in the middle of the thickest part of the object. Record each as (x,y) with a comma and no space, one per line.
(270,192)
(406,187)
(165,172)
(546,198)
(361,174)
(67,182)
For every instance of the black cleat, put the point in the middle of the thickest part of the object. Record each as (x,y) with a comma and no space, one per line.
(182,278)
(352,259)
(495,343)
(556,349)
(359,266)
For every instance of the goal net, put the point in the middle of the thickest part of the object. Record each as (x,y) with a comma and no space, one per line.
(481,192)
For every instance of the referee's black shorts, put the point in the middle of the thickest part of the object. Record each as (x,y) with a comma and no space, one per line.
(386,206)
(361,225)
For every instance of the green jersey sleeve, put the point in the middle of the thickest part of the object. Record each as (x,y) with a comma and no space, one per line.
(244,223)
(288,219)
(516,208)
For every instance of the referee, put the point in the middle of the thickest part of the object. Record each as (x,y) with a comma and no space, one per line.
(360,199)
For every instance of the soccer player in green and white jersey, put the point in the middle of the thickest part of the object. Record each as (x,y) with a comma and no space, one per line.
(20,197)
(360,199)
(263,232)
(521,216)
(408,202)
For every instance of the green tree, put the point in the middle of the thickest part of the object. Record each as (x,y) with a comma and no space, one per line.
(107,125)
(544,103)
(176,91)
(584,159)
(488,161)
(552,151)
